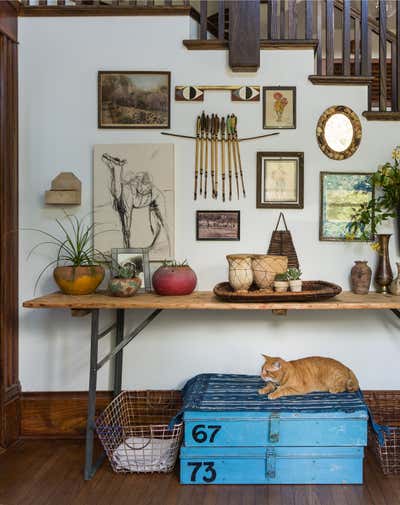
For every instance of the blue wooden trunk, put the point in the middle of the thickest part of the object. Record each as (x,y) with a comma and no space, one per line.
(273,465)
(233,435)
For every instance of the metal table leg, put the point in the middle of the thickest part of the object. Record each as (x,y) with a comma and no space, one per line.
(119,356)
(94,348)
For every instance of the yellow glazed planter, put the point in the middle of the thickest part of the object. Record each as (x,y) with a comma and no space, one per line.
(78,280)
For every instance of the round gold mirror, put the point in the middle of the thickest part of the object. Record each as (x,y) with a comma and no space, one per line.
(339,132)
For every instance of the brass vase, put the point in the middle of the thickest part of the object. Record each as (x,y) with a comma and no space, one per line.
(383,275)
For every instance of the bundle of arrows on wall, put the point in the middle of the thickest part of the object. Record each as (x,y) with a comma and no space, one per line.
(217,157)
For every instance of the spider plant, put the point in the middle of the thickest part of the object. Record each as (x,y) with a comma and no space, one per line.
(74,244)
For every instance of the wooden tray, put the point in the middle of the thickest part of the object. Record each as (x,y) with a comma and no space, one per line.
(312,291)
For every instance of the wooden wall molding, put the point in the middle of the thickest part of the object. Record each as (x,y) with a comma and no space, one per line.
(10,389)
(60,415)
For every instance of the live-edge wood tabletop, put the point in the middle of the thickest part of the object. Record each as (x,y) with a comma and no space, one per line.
(206,300)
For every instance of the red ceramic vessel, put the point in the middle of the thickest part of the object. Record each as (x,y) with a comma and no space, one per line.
(170,281)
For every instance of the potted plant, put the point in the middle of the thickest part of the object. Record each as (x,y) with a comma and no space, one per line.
(281,283)
(123,281)
(77,271)
(295,283)
(174,278)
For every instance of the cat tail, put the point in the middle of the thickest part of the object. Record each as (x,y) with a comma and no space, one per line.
(352,382)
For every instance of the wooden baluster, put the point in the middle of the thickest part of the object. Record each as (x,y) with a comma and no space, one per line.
(396,100)
(203,19)
(282,20)
(150,3)
(60,2)
(346,37)
(309,19)
(221,20)
(393,102)
(364,38)
(168,3)
(292,28)
(115,3)
(42,3)
(319,38)
(357,66)
(272,19)
(382,55)
(330,30)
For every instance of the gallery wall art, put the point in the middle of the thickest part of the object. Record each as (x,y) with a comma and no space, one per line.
(218,225)
(133,198)
(341,195)
(134,99)
(279,107)
(280,180)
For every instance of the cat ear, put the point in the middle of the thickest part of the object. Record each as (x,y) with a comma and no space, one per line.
(264,356)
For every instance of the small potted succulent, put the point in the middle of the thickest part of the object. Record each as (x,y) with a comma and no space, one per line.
(295,282)
(124,281)
(281,283)
(174,278)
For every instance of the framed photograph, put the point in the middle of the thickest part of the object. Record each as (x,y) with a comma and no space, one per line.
(341,194)
(134,99)
(279,107)
(139,258)
(280,180)
(218,225)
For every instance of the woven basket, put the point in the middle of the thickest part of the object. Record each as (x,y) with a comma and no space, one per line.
(134,432)
(385,409)
(281,244)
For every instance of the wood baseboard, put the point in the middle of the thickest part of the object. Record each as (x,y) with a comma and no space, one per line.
(61,415)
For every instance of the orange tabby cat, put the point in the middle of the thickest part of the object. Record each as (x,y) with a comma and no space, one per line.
(301,376)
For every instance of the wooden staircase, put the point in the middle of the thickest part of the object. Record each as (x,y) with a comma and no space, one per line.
(353,42)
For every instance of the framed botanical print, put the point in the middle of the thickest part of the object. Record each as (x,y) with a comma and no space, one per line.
(280,180)
(134,99)
(279,107)
(218,225)
(341,194)
(138,258)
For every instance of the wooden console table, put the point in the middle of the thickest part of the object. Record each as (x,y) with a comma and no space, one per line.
(199,300)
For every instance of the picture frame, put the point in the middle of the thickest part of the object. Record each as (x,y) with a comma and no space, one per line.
(340,192)
(134,99)
(218,225)
(122,256)
(279,107)
(280,180)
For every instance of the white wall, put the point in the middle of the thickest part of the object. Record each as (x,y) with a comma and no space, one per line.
(59,60)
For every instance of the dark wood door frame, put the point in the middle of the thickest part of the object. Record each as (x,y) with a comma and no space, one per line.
(10,390)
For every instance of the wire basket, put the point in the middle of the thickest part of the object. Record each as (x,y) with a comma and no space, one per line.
(134,432)
(385,409)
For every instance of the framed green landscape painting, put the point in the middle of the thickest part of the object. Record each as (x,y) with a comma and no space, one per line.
(341,194)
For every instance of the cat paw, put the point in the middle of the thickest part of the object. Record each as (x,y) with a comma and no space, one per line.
(273,396)
(262,391)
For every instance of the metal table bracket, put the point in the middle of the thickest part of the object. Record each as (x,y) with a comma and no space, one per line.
(95,365)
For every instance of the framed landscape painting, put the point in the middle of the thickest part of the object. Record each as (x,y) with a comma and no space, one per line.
(280,180)
(134,99)
(341,195)
(218,225)
(279,107)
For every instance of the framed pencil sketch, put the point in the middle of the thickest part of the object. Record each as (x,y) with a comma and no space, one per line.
(139,259)
(279,107)
(134,99)
(218,225)
(280,180)
(341,194)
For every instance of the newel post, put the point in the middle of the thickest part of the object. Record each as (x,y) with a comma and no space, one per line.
(244,35)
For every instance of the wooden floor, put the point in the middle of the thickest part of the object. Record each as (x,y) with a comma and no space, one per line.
(50,472)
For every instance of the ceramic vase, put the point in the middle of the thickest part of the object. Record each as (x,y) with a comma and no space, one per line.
(240,271)
(360,278)
(124,288)
(265,267)
(383,276)
(174,280)
(82,280)
(395,285)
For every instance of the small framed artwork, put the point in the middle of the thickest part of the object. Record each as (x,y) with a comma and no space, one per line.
(341,194)
(280,180)
(134,99)
(218,225)
(137,257)
(279,107)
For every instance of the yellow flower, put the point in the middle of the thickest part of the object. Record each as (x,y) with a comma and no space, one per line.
(349,236)
(396,153)
(375,246)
